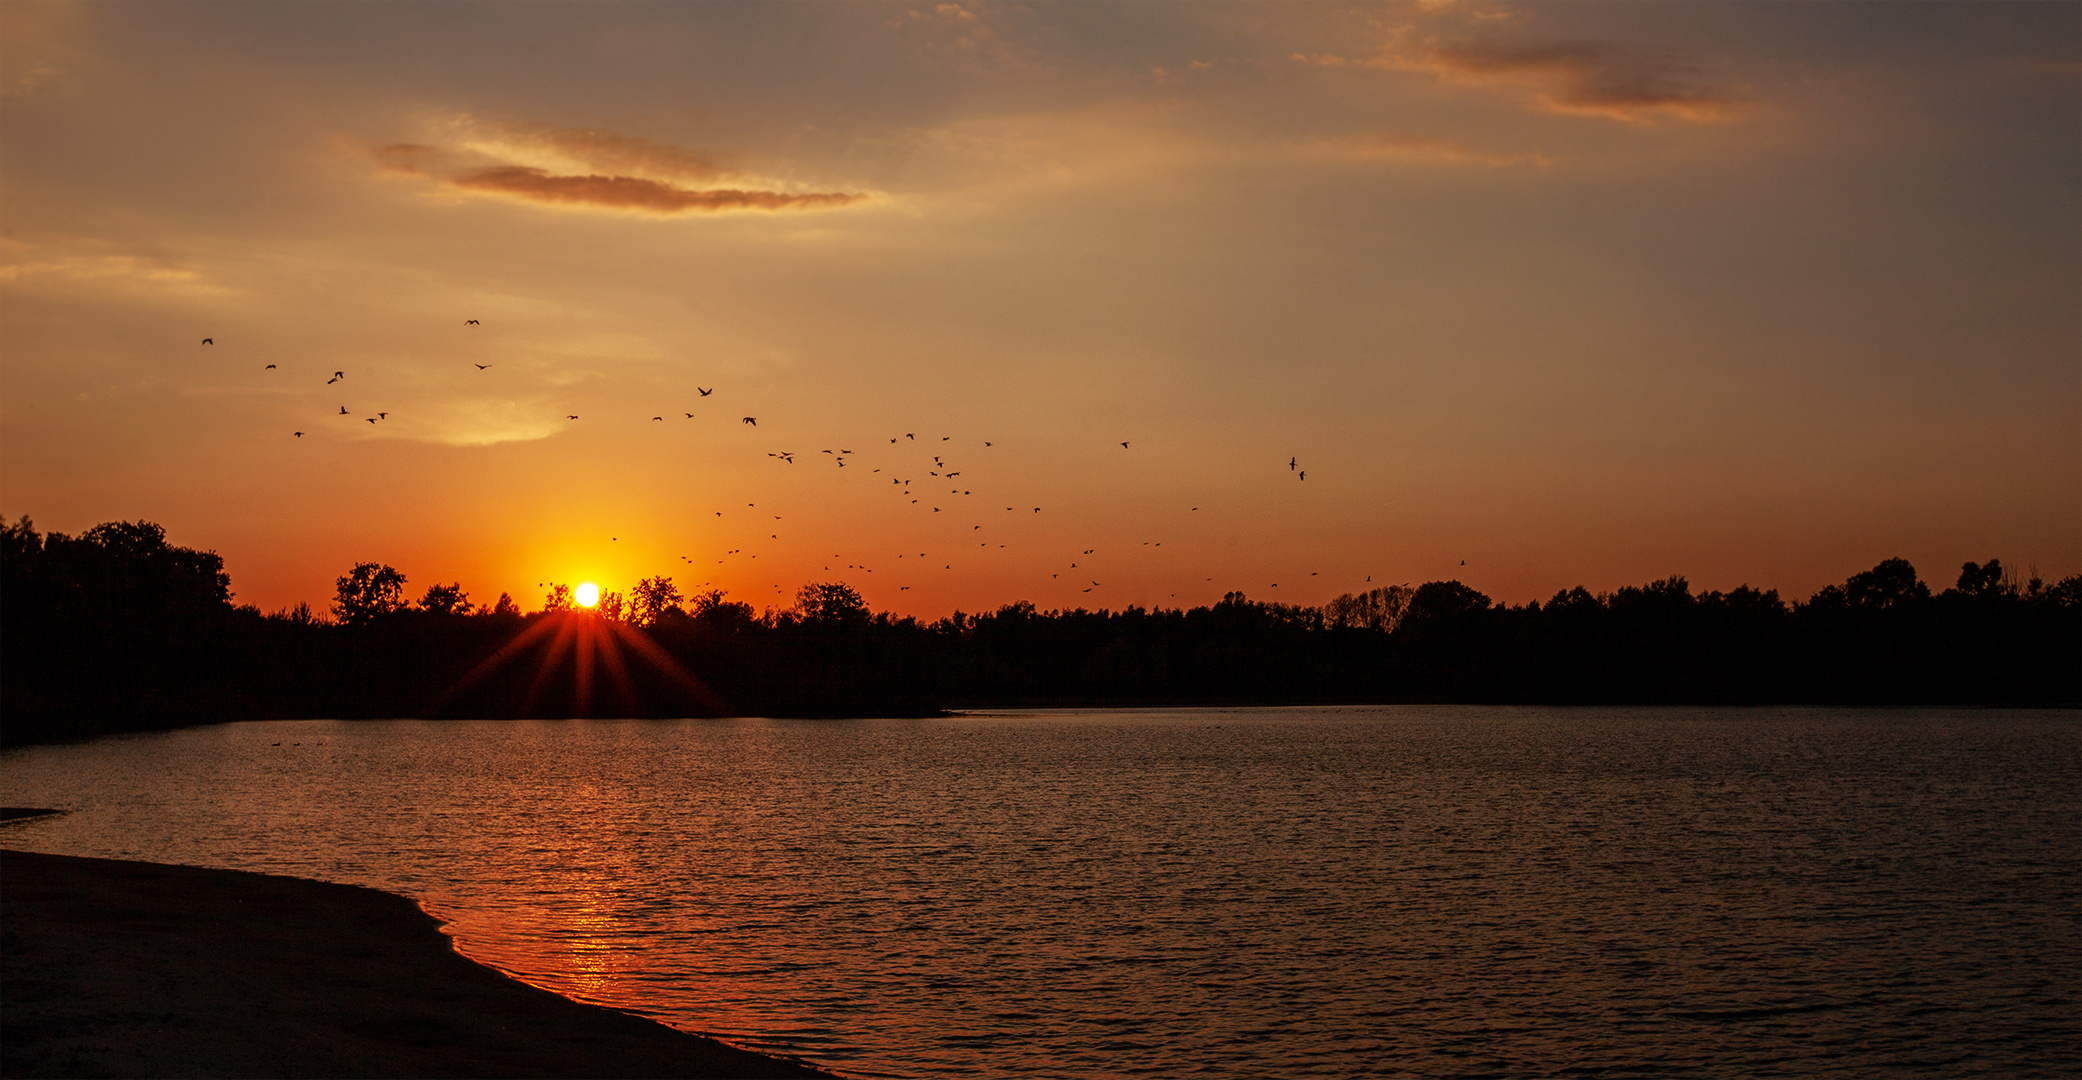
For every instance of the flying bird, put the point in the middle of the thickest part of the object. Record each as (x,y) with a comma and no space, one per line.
(570,417)
(690,416)
(209,341)
(481,367)
(339,374)
(1124,446)
(657,418)
(705,393)
(1304,474)
(752,420)
(270,365)
(332,380)
(299,434)
(470,322)
(383,416)
(1291,463)
(343,410)
(370,419)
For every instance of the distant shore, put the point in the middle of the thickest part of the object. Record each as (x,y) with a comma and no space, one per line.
(114,968)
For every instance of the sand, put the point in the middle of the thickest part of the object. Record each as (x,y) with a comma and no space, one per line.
(112,968)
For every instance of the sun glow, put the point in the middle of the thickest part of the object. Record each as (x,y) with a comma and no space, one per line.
(587,594)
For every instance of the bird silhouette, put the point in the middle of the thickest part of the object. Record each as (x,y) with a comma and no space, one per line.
(209,341)
(907,435)
(299,434)
(1290,464)
(370,419)
(570,417)
(339,374)
(481,367)
(383,416)
(270,365)
(332,380)
(752,420)
(690,416)
(343,410)
(705,393)
(1124,446)
(1304,474)
(470,322)
(657,418)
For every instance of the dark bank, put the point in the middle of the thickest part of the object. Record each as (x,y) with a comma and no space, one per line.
(118,968)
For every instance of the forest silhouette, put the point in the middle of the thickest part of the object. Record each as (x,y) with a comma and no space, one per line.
(116,629)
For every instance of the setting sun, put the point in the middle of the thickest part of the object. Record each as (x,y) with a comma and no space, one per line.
(587,594)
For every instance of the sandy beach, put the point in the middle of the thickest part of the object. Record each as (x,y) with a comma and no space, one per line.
(112,968)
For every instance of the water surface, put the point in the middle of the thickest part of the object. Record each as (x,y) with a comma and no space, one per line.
(1390,891)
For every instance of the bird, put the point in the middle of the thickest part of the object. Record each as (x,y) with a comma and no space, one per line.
(570,417)
(907,435)
(470,322)
(1124,446)
(370,419)
(343,410)
(332,380)
(299,434)
(209,341)
(339,374)
(986,444)
(1291,463)
(1304,474)
(705,393)
(752,420)
(657,418)
(270,365)
(383,416)
(690,416)
(481,367)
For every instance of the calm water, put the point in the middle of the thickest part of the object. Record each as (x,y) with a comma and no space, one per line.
(1422,891)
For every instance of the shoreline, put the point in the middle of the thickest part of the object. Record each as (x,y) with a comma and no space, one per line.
(120,968)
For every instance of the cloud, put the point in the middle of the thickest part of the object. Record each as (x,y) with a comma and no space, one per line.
(1435,151)
(1580,79)
(635,193)
(97,271)
(583,167)
(1587,79)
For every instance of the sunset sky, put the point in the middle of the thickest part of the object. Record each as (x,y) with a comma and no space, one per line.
(1575,294)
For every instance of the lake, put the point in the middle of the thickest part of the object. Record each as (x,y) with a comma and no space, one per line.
(1426,891)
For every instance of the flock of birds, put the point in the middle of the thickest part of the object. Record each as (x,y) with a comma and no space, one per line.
(924,494)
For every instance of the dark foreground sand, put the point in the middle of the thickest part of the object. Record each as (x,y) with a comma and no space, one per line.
(114,968)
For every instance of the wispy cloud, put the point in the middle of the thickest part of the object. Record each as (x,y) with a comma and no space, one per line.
(581,167)
(1585,79)
(1434,151)
(632,193)
(1593,80)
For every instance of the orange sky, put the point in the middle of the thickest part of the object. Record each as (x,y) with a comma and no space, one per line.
(1576,294)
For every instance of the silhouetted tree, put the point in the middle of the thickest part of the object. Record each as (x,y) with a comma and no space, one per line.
(651,598)
(830,603)
(505,608)
(559,599)
(610,606)
(367,591)
(447,599)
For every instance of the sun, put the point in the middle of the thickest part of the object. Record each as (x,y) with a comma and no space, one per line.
(587,594)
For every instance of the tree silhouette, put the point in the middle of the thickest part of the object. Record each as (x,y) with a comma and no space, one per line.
(830,602)
(559,598)
(447,599)
(651,598)
(367,591)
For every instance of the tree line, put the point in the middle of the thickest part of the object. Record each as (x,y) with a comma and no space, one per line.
(119,629)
